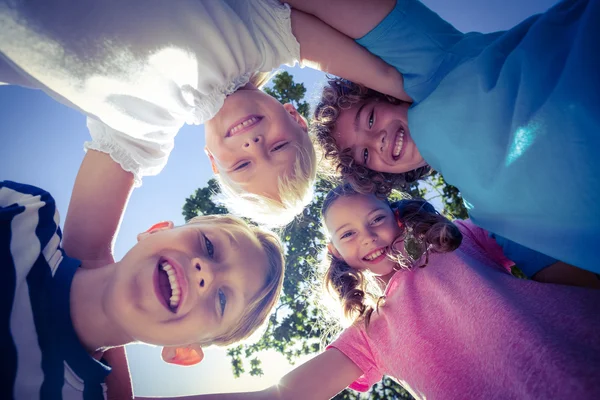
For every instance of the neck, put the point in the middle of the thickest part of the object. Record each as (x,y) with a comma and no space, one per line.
(89,290)
(386,278)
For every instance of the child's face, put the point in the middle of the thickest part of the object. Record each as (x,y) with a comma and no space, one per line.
(254,140)
(362,229)
(377,134)
(217,269)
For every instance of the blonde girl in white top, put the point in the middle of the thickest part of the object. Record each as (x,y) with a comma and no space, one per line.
(140,69)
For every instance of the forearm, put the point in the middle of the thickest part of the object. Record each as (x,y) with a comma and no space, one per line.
(566,274)
(328,50)
(353,18)
(118,381)
(102,189)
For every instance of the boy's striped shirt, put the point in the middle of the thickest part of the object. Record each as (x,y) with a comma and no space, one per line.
(41,354)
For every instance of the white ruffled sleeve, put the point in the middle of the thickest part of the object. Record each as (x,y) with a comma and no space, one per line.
(273,20)
(138,156)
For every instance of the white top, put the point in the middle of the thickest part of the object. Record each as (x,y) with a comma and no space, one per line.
(140,69)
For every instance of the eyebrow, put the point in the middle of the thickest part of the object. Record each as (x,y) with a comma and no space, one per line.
(232,241)
(357,117)
(369,214)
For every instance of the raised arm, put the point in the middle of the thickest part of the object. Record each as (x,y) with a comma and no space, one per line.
(98,201)
(326,49)
(542,268)
(566,274)
(353,18)
(97,204)
(320,378)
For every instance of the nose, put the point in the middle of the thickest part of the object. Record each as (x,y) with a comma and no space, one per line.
(369,237)
(381,141)
(203,276)
(254,141)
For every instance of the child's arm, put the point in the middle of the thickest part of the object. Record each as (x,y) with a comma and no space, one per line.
(320,378)
(353,18)
(98,201)
(326,49)
(566,274)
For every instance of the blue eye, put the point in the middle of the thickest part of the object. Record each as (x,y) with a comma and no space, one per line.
(222,301)
(371,119)
(242,166)
(210,248)
(365,156)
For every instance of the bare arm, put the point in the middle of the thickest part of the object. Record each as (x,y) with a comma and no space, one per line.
(304,382)
(353,18)
(566,274)
(97,204)
(326,49)
(98,201)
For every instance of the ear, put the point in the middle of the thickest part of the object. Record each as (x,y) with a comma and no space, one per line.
(161,226)
(213,164)
(183,355)
(333,251)
(289,107)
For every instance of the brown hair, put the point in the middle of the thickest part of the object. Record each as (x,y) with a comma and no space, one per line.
(424,229)
(340,94)
(255,313)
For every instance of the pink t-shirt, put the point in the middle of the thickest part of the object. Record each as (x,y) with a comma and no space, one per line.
(464,328)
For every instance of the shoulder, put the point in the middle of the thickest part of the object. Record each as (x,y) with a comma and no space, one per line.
(271,23)
(478,241)
(29,223)
(25,205)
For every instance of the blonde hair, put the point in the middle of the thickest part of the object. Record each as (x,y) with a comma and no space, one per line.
(259,308)
(295,192)
(295,189)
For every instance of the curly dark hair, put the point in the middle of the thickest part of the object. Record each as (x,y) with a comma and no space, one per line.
(339,94)
(357,291)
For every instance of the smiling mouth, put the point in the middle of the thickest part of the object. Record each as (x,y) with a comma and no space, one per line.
(168,286)
(244,125)
(398,144)
(376,255)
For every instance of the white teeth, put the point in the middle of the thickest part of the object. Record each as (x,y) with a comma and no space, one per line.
(244,124)
(374,255)
(399,143)
(175,289)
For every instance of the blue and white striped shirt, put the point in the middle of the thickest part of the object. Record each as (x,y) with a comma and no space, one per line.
(42,357)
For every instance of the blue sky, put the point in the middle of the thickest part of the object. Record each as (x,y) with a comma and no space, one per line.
(42,144)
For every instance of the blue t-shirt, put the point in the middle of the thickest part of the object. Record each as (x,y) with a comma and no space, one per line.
(42,357)
(511,118)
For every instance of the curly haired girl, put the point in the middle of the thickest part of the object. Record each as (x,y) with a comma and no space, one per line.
(509,118)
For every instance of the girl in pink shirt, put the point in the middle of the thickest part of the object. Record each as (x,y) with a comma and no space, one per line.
(451,323)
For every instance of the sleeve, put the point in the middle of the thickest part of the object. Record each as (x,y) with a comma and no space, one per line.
(354,344)
(139,76)
(141,157)
(417,42)
(273,20)
(481,238)
(528,261)
(27,215)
